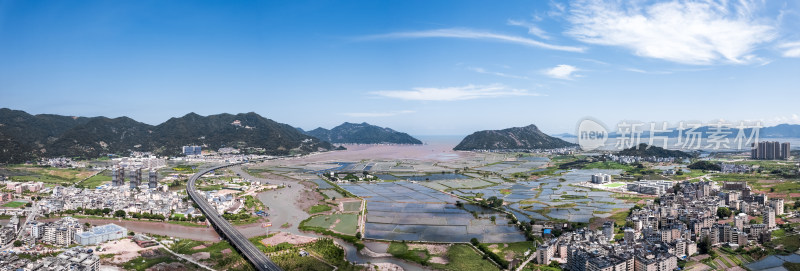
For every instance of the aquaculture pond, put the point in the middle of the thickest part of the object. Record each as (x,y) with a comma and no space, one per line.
(409,211)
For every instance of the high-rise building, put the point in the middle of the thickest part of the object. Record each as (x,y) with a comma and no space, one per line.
(118,176)
(136,177)
(769,218)
(608,230)
(777,204)
(770,150)
(785,150)
(192,150)
(152,181)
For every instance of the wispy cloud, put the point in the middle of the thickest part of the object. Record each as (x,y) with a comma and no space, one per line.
(463,33)
(468,92)
(790,49)
(688,32)
(532,28)
(378,114)
(646,72)
(484,71)
(563,71)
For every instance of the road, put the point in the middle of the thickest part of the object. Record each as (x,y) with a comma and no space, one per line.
(225,229)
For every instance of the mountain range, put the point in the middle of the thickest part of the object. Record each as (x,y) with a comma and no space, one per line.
(24,137)
(777,131)
(362,133)
(528,137)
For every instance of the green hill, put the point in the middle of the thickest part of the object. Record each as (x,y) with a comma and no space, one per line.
(362,133)
(24,137)
(516,138)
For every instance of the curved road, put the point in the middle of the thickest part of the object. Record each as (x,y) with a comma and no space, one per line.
(225,229)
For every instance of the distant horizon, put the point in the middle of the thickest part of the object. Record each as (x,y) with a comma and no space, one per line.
(546,131)
(422,67)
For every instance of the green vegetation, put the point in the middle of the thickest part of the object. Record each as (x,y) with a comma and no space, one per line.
(362,133)
(221,261)
(791,266)
(186,223)
(528,137)
(723,212)
(607,165)
(46,174)
(95,181)
(401,251)
(212,187)
(705,165)
(462,257)
(251,203)
(346,222)
(788,243)
(319,208)
(242,218)
(619,217)
(352,206)
(488,252)
(15,204)
(643,150)
(304,226)
(142,263)
(614,185)
(570,196)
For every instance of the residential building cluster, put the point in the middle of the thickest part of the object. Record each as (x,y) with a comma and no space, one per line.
(141,160)
(74,259)
(24,187)
(153,201)
(650,187)
(770,150)
(623,159)
(735,168)
(662,232)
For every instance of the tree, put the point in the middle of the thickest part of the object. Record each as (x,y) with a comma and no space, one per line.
(704,245)
(131,233)
(753,221)
(358,235)
(29,204)
(87,225)
(119,213)
(17,243)
(493,219)
(494,202)
(723,212)
(474,241)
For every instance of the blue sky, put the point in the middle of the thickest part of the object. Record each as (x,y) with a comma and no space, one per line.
(424,67)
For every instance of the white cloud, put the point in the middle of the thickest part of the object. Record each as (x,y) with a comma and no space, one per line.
(790,49)
(791,119)
(484,71)
(467,92)
(473,34)
(378,114)
(561,72)
(647,72)
(532,28)
(689,32)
